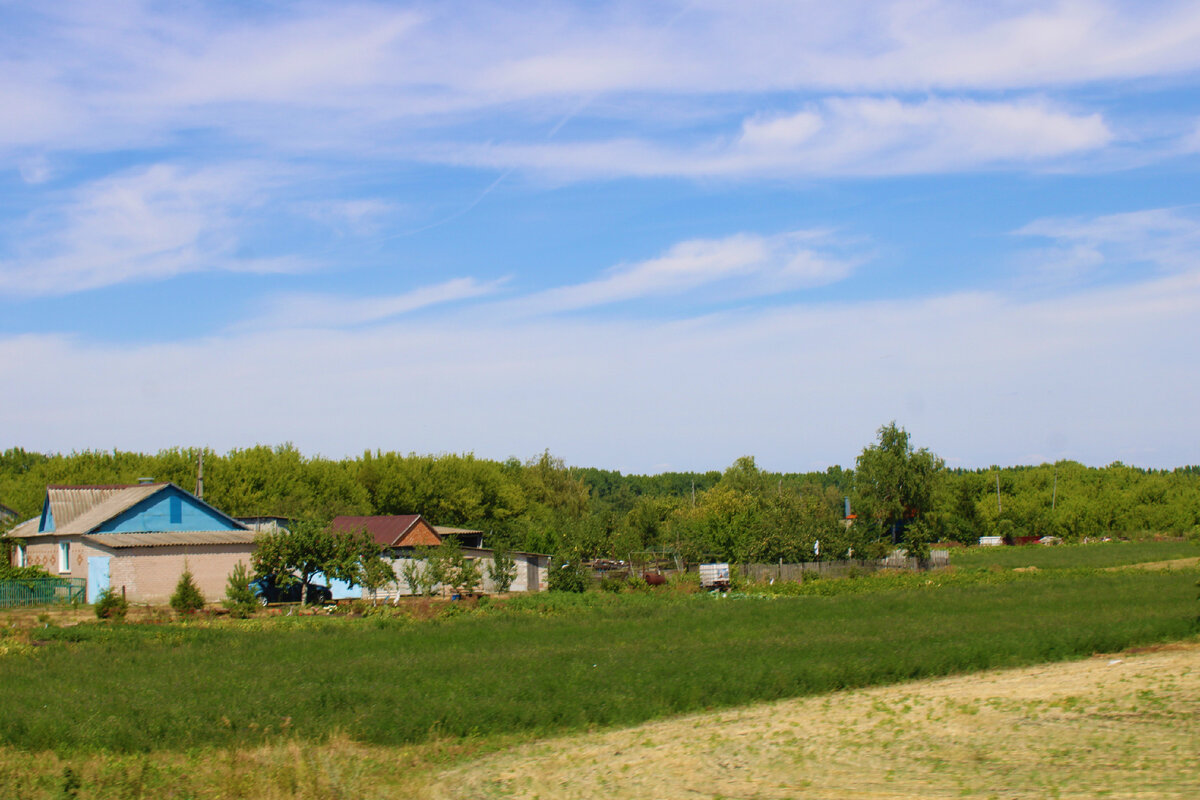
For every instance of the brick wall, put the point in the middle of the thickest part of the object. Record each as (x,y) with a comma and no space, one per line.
(150,574)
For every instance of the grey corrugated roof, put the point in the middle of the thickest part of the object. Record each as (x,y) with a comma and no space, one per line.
(165,538)
(79,509)
(26,529)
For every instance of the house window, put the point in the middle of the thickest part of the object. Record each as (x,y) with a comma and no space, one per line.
(176,510)
(64,556)
(22,560)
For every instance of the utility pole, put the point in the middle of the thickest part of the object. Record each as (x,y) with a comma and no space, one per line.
(999,508)
(200,477)
(1054,493)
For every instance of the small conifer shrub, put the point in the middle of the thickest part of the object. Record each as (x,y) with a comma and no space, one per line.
(239,598)
(111,605)
(187,598)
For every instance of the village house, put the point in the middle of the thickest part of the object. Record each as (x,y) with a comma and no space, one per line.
(399,535)
(137,539)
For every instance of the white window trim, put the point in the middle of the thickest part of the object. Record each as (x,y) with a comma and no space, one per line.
(22,558)
(64,557)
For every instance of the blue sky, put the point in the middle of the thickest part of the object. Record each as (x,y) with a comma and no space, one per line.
(646,236)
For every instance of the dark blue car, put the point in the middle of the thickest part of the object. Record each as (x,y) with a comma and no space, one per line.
(268,591)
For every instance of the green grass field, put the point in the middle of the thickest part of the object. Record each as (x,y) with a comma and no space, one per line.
(1067,556)
(549,663)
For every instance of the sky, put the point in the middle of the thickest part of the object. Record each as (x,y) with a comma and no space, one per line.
(645,236)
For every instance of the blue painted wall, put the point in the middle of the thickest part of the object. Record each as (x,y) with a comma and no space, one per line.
(341,590)
(47,523)
(154,514)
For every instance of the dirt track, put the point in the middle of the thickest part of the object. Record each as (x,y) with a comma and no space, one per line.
(1118,726)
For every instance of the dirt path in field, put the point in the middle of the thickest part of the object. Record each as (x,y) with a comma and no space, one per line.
(1120,726)
(1175,563)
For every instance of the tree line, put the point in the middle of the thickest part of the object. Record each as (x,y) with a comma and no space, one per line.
(897,493)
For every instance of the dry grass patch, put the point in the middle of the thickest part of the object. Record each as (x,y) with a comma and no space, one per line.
(1114,726)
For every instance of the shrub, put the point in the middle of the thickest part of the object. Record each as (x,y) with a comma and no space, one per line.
(567,577)
(187,598)
(111,605)
(239,598)
(612,583)
(637,583)
(502,571)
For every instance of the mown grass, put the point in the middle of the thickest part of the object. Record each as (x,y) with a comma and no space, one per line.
(1068,556)
(547,664)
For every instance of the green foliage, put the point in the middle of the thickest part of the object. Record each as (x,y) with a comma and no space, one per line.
(895,483)
(30,572)
(567,577)
(186,598)
(421,572)
(307,548)
(743,514)
(239,598)
(502,570)
(454,569)
(374,573)
(111,605)
(612,583)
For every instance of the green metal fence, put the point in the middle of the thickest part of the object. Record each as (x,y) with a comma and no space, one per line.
(42,591)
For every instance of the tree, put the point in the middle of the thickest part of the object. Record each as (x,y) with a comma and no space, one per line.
(374,574)
(502,570)
(454,569)
(895,483)
(308,548)
(239,598)
(187,597)
(420,573)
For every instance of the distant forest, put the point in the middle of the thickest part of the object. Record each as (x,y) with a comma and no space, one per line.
(743,513)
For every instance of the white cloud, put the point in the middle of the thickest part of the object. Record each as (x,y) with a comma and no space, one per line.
(743,265)
(147,224)
(978,377)
(856,136)
(1116,245)
(372,76)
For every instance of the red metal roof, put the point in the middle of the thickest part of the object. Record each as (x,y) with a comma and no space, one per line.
(385,530)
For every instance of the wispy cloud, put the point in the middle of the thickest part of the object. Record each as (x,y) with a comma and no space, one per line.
(315,310)
(357,216)
(146,224)
(1116,246)
(849,136)
(326,76)
(739,266)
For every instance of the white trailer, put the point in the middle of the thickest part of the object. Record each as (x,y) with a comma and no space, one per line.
(714,576)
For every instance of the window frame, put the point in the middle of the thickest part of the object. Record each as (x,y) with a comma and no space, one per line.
(64,557)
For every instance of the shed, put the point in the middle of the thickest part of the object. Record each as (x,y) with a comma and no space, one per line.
(399,536)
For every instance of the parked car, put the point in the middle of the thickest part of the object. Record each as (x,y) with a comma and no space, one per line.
(267,590)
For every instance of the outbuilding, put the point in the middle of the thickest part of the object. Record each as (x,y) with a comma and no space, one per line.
(399,536)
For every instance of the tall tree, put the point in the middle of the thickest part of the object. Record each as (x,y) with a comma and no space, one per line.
(895,484)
